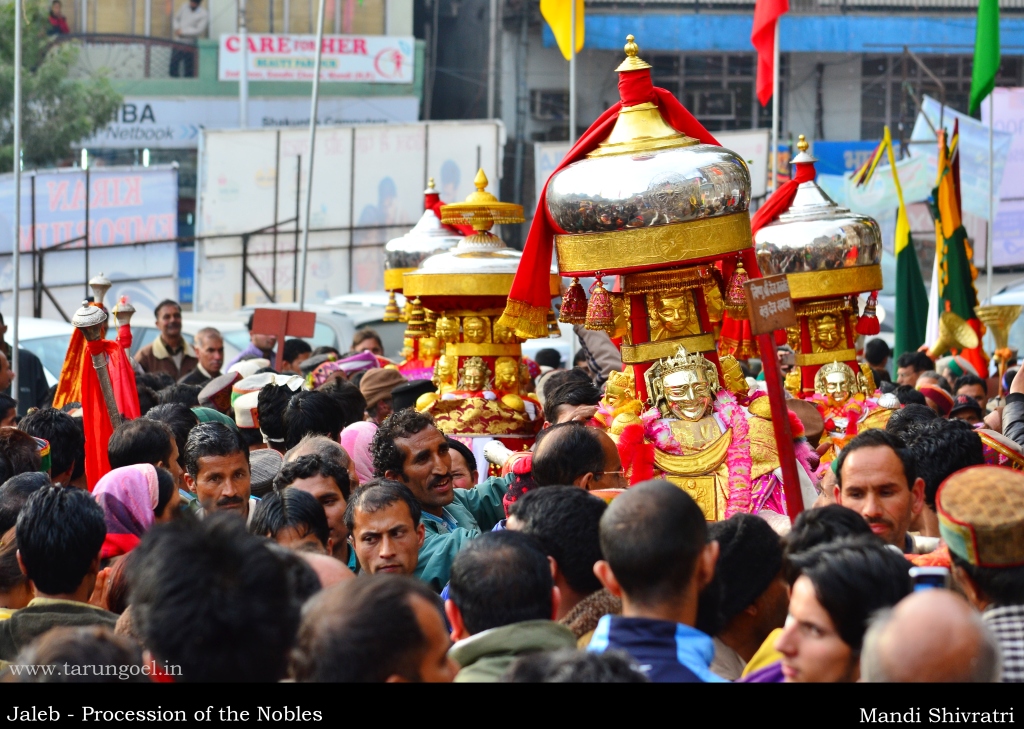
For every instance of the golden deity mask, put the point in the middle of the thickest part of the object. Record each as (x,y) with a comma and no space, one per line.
(475,329)
(506,375)
(672,315)
(621,386)
(444,373)
(837,382)
(826,331)
(447,329)
(732,375)
(474,375)
(683,386)
(504,335)
(429,349)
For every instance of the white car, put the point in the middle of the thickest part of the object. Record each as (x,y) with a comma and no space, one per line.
(47,339)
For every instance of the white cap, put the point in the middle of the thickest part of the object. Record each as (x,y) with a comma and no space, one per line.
(249,367)
(245,406)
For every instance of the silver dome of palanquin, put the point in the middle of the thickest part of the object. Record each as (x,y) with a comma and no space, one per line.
(648,196)
(425,239)
(648,188)
(839,250)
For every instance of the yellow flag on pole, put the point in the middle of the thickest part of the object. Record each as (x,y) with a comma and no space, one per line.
(558,14)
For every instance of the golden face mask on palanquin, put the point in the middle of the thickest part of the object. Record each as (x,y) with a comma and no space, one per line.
(621,387)
(447,329)
(429,349)
(476,330)
(837,382)
(504,335)
(683,386)
(732,375)
(474,375)
(444,373)
(672,314)
(826,332)
(506,375)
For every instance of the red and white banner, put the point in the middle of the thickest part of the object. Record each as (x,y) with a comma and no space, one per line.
(378,59)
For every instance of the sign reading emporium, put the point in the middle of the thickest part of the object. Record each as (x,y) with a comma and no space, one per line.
(378,59)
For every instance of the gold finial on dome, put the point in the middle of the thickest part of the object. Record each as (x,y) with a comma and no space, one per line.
(802,144)
(481,209)
(633,62)
(430,186)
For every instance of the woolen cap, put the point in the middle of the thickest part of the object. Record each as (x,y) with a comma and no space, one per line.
(966,402)
(249,367)
(981,515)
(264,465)
(378,384)
(750,557)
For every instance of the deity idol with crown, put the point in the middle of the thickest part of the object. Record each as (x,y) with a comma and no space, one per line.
(705,441)
(839,397)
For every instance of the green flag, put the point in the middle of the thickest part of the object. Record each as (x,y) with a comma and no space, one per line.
(986,53)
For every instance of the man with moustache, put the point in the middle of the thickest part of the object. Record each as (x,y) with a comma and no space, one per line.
(877,477)
(217,470)
(408,448)
(385,522)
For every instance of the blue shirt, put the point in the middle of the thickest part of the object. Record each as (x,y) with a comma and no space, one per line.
(665,652)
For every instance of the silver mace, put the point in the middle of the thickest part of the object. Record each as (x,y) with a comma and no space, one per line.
(90,320)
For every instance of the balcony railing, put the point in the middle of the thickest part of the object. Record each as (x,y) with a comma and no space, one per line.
(132,56)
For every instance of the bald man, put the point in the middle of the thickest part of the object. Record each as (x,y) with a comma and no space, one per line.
(931,636)
(328,569)
(572,454)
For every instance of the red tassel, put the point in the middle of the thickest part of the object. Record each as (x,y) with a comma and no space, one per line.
(574,304)
(868,322)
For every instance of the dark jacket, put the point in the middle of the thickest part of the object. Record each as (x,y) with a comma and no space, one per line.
(665,652)
(196,377)
(1013,418)
(31,382)
(43,613)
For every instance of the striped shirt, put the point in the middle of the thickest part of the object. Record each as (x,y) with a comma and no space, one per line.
(1007,622)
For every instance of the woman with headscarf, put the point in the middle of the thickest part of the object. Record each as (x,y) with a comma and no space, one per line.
(133,499)
(356,440)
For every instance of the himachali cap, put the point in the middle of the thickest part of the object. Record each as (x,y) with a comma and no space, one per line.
(246,410)
(264,465)
(942,399)
(405,395)
(981,515)
(251,384)
(216,393)
(249,367)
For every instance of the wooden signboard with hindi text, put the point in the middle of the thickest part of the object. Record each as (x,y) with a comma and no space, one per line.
(769,304)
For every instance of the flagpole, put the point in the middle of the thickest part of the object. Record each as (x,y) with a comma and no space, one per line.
(775,109)
(572,77)
(16,245)
(991,196)
(314,103)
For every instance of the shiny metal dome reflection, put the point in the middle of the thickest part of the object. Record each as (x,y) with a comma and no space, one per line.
(817,235)
(425,239)
(648,189)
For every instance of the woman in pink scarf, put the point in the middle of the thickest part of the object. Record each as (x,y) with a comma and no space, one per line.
(356,440)
(134,498)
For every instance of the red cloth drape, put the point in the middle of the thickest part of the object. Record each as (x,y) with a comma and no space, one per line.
(432,201)
(781,199)
(95,419)
(762,37)
(530,298)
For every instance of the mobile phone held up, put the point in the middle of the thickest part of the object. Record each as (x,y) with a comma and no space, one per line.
(925,578)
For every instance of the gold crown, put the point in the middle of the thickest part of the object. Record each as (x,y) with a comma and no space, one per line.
(684,361)
(623,380)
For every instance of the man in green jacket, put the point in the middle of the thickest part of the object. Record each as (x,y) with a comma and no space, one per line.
(502,605)
(408,448)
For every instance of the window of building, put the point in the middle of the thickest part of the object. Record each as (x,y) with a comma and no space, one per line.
(893,86)
(718,89)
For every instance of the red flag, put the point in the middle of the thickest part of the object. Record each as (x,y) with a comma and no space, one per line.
(762,37)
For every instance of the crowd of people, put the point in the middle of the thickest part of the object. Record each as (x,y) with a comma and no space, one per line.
(309,524)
